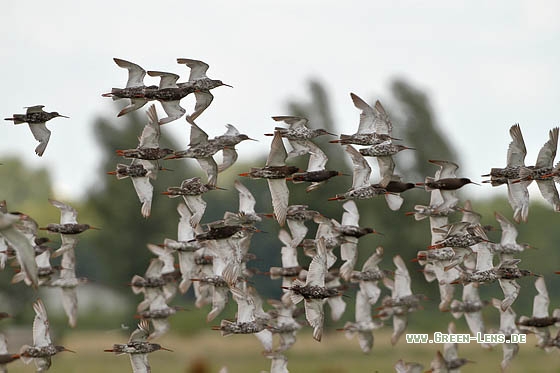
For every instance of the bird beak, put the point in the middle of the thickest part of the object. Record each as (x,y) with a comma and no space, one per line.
(227,85)
(165,169)
(96,228)
(165,349)
(65,349)
(252,139)
(472,182)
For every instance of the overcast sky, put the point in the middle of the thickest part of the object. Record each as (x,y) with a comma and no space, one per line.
(485,65)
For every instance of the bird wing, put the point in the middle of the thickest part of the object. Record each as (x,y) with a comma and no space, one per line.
(382,123)
(139,363)
(151,132)
(367,115)
(447,168)
(41,134)
(386,167)
(363,308)
(173,110)
(280,194)
(541,300)
(144,190)
(549,193)
(399,325)
(231,130)
(402,278)
(291,121)
(167,80)
(298,230)
(140,334)
(278,154)
(198,68)
(70,304)
(509,232)
(41,334)
(317,159)
(25,252)
(516,151)
(371,264)
(35,109)
(198,136)
(203,100)
(317,267)
(518,197)
(246,200)
(67,213)
(548,150)
(197,206)
(361,169)
(210,167)
(136,74)
(229,156)
(351,216)
(315,316)
(185,231)
(165,255)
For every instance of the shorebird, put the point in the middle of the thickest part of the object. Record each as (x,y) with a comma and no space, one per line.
(539,322)
(36,118)
(507,327)
(226,143)
(508,246)
(369,276)
(138,348)
(201,149)
(247,322)
(158,313)
(471,307)
(350,232)
(445,182)
(192,190)
(449,361)
(42,349)
(374,128)
(316,172)
(200,83)
(135,88)
(363,325)
(542,169)
(169,95)
(25,252)
(362,188)
(296,216)
(283,322)
(152,285)
(275,172)
(67,282)
(297,128)
(314,291)
(68,227)
(402,301)
(141,171)
(518,195)
(246,214)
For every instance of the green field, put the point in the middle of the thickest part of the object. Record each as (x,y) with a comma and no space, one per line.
(208,352)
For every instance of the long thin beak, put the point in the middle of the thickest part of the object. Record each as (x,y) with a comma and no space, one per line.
(64,116)
(65,349)
(252,139)
(227,85)
(472,182)
(165,349)
(96,228)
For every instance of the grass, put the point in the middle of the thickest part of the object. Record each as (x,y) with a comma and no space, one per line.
(208,352)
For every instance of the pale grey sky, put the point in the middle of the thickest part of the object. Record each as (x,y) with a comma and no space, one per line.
(486,65)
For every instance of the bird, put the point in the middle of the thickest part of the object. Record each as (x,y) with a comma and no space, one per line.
(169,95)
(200,83)
(314,291)
(138,348)
(246,214)
(350,232)
(449,361)
(135,88)
(36,118)
(374,128)
(363,326)
(226,143)
(43,349)
(283,322)
(68,227)
(25,252)
(369,275)
(362,188)
(276,171)
(507,328)
(518,195)
(5,357)
(201,149)
(192,190)
(543,167)
(471,307)
(540,321)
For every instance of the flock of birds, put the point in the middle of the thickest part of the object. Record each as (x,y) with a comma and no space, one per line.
(212,256)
